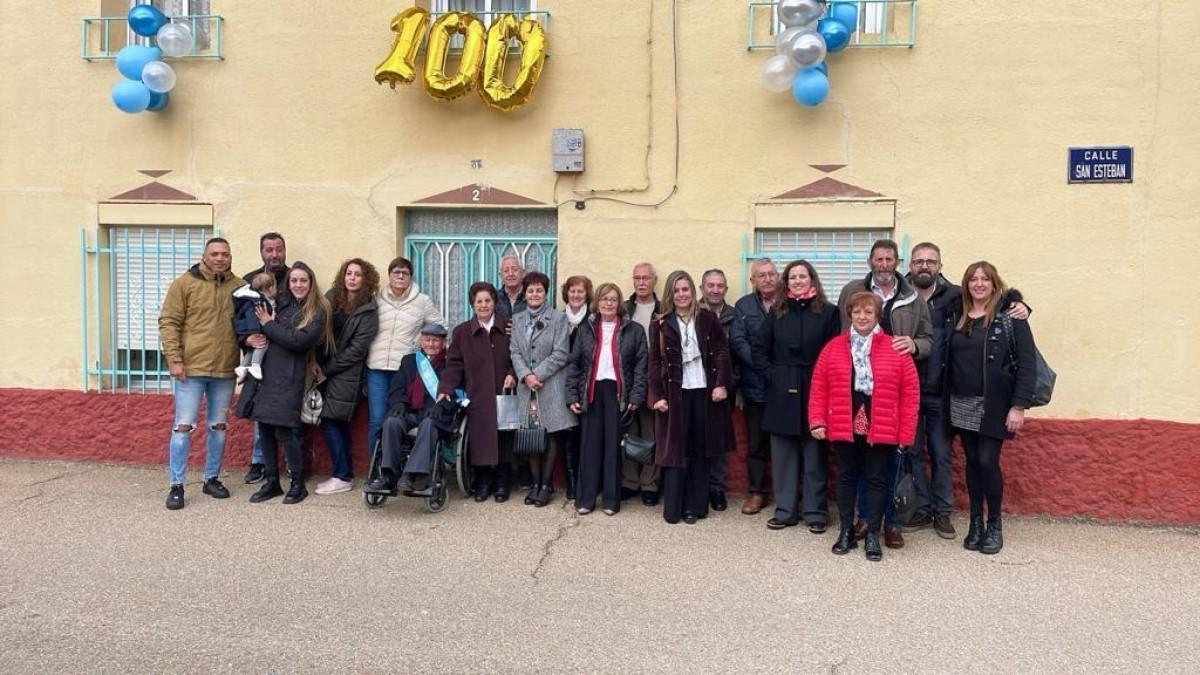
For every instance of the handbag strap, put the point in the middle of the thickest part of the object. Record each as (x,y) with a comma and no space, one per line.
(1007,322)
(531,413)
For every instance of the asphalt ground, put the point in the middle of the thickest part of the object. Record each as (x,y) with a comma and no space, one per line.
(97,576)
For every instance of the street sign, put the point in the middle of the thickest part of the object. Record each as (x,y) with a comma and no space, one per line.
(1100,165)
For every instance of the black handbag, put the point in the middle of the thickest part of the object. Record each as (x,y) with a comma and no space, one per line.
(1043,375)
(530,439)
(905,488)
(635,448)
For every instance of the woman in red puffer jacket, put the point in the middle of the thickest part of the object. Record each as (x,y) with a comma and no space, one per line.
(864,398)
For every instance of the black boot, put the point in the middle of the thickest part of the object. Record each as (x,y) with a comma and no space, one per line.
(974,534)
(571,458)
(531,496)
(502,476)
(269,489)
(482,488)
(993,539)
(871,546)
(845,541)
(296,491)
(545,493)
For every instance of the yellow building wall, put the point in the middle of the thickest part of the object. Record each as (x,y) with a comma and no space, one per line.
(968,133)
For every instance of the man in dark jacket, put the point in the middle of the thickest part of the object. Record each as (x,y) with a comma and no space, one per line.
(411,398)
(748,315)
(641,308)
(511,299)
(273,250)
(713,286)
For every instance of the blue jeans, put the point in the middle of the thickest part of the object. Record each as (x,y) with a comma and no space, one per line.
(935,497)
(217,392)
(378,383)
(337,437)
(889,491)
(256,456)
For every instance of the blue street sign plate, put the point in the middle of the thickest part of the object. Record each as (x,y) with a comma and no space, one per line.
(1100,165)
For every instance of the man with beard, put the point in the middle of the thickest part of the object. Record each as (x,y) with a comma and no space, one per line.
(935,498)
(273,250)
(713,286)
(905,317)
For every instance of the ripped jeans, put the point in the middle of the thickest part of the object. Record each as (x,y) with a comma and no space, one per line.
(188,393)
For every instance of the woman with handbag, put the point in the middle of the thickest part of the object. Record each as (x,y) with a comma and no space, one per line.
(479,361)
(606,380)
(797,327)
(864,399)
(540,347)
(688,378)
(577,292)
(340,368)
(992,368)
(274,402)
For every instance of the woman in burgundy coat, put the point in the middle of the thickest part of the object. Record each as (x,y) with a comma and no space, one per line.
(688,381)
(479,362)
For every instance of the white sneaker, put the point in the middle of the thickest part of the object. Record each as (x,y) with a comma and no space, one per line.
(255,371)
(241,373)
(333,486)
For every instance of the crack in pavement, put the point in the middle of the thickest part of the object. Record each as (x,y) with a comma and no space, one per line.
(547,548)
(834,668)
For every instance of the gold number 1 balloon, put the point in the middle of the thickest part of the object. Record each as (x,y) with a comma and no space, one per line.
(437,84)
(400,65)
(494,91)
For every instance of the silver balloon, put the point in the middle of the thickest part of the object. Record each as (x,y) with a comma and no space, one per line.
(158,77)
(806,50)
(799,12)
(777,73)
(175,39)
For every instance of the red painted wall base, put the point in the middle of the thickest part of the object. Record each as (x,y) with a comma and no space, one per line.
(1139,470)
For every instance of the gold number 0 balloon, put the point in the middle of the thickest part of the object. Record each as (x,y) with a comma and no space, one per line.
(494,91)
(437,85)
(399,66)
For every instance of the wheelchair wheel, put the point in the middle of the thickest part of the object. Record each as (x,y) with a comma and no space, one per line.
(373,500)
(462,466)
(437,502)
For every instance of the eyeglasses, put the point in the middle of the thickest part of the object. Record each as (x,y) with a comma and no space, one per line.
(926,262)
(403,274)
(608,299)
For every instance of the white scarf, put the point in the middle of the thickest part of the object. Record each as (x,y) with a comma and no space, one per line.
(576,318)
(860,355)
(688,340)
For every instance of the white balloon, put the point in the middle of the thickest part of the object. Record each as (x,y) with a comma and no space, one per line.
(806,50)
(777,73)
(175,39)
(158,77)
(799,12)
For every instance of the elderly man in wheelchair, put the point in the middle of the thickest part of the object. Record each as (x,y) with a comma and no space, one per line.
(412,400)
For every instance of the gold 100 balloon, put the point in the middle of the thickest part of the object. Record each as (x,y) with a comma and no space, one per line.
(484,54)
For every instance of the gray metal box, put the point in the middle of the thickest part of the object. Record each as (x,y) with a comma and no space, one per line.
(567,149)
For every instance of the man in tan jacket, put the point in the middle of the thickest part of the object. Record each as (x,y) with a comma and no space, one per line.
(195,329)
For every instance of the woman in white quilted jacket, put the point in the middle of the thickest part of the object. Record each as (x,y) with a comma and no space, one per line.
(403,309)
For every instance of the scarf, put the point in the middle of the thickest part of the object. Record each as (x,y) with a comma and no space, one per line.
(689,342)
(416,388)
(860,356)
(535,320)
(576,318)
(807,294)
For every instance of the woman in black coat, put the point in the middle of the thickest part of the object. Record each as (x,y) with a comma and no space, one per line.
(606,380)
(340,369)
(989,385)
(798,326)
(274,402)
(577,294)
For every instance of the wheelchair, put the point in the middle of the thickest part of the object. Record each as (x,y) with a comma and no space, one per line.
(452,457)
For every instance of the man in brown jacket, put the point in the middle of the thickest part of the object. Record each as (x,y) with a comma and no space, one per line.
(195,329)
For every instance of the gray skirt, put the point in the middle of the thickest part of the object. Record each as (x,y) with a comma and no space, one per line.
(966,412)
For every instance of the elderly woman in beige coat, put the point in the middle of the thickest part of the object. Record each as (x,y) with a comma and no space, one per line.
(540,348)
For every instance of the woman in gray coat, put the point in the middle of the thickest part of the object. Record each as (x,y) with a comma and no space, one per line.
(540,346)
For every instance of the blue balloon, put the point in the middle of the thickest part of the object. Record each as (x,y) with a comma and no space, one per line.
(158,100)
(810,87)
(836,35)
(847,13)
(823,67)
(145,20)
(131,60)
(131,96)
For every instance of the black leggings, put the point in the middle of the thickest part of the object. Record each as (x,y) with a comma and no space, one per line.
(862,459)
(984,478)
(271,437)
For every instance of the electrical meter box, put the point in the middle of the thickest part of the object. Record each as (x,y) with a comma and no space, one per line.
(567,146)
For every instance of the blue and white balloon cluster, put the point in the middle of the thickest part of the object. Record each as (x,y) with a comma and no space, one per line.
(813,30)
(147,77)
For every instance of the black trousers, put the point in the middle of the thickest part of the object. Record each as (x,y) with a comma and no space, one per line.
(871,461)
(685,490)
(758,447)
(600,450)
(271,437)
(985,481)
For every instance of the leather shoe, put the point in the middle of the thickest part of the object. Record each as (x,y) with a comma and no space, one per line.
(777,524)
(860,530)
(213,488)
(649,498)
(845,541)
(175,498)
(974,534)
(268,490)
(753,504)
(892,537)
(384,485)
(917,522)
(817,528)
(628,493)
(501,495)
(943,527)
(716,499)
(690,518)
(871,547)
(993,539)
(256,473)
(296,492)
(482,491)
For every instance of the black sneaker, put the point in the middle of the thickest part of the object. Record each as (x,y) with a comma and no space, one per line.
(943,527)
(255,474)
(213,488)
(175,498)
(918,522)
